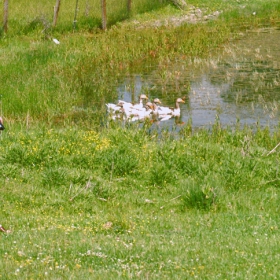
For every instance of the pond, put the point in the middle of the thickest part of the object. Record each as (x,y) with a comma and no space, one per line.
(241,84)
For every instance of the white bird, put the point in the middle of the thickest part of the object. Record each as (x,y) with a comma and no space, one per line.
(156,116)
(139,105)
(156,103)
(56,41)
(135,114)
(160,109)
(154,108)
(171,111)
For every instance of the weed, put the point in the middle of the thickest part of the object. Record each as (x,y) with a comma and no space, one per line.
(200,197)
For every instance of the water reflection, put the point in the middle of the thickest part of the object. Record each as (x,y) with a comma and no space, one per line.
(242,83)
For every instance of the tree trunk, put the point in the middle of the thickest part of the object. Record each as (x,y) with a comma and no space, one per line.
(6,8)
(104,16)
(56,10)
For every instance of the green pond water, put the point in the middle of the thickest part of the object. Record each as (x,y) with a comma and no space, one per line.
(241,83)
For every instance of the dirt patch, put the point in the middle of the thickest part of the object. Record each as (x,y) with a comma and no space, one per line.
(192,15)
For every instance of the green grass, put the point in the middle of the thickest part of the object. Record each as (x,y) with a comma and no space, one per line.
(122,204)
(88,199)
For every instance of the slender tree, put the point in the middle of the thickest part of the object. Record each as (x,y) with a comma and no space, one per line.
(56,10)
(104,16)
(75,16)
(6,9)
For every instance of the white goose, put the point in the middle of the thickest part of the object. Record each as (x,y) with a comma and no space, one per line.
(156,116)
(171,111)
(154,108)
(139,105)
(132,114)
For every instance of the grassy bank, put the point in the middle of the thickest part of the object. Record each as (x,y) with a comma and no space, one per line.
(84,198)
(63,83)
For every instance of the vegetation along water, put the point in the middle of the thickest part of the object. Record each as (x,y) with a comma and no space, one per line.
(83,197)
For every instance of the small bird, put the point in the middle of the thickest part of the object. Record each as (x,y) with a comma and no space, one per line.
(56,41)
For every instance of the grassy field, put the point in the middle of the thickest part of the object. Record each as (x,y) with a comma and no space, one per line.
(82,200)
(122,204)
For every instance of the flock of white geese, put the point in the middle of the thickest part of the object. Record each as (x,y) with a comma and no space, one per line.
(143,110)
